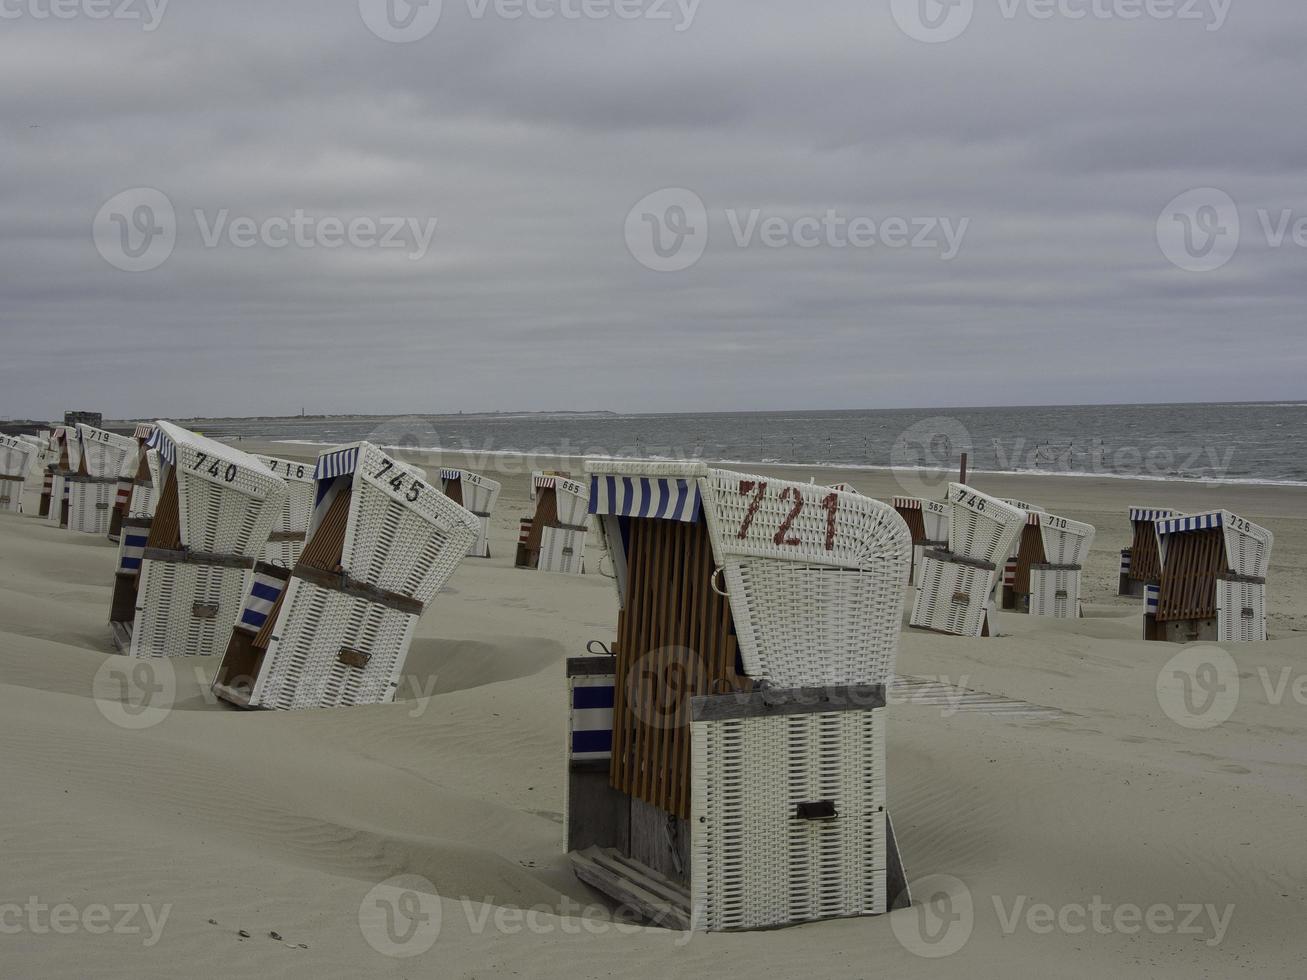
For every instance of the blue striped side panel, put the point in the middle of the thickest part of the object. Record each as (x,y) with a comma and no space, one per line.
(591,717)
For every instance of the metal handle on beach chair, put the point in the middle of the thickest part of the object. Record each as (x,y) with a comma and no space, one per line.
(712,582)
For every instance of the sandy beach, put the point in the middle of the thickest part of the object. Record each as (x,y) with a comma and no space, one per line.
(1105,839)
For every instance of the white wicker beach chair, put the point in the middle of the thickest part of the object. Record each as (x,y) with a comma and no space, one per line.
(336,631)
(1213,586)
(740,808)
(478,494)
(213,518)
(1055,582)
(93,487)
(286,541)
(957,585)
(1141,563)
(555,539)
(18,459)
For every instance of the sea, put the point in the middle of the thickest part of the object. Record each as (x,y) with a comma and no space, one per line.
(1233,442)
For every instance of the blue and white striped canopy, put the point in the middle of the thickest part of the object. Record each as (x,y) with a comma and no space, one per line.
(339,463)
(676,499)
(165,447)
(1152,598)
(1142,514)
(1196,522)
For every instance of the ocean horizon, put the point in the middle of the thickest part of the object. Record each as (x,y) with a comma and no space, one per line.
(1229,442)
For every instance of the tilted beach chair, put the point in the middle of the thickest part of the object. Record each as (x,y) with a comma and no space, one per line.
(727,763)
(94,485)
(212,521)
(18,459)
(135,496)
(286,541)
(479,495)
(928,522)
(552,539)
(1141,563)
(957,586)
(1213,587)
(336,630)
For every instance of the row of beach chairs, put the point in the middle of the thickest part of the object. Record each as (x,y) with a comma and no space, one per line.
(726,753)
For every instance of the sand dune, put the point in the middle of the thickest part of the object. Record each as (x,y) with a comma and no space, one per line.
(278,822)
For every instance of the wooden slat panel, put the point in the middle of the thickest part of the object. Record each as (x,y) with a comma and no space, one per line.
(675,641)
(1029,554)
(327,546)
(1194,561)
(1145,559)
(166,528)
(916,523)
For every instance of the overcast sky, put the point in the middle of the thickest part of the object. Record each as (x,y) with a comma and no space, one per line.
(1050,147)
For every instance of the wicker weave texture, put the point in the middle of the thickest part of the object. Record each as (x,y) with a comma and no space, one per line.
(1055,593)
(89,506)
(404,536)
(1248,548)
(754,863)
(219,518)
(283,554)
(105,453)
(1066,542)
(480,493)
(687,469)
(1240,612)
(141,501)
(562,551)
(166,604)
(297,506)
(952,597)
(982,527)
(815,578)
(18,457)
(156,475)
(303,666)
(573,502)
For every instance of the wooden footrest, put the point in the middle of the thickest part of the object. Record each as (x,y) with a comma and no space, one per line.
(122,637)
(633,885)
